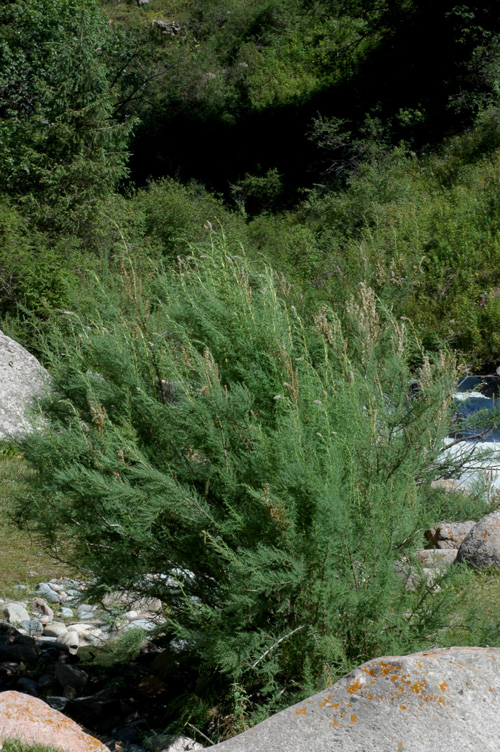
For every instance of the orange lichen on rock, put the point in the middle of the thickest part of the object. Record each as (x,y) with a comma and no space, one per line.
(32,721)
(418,686)
(301,711)
(354,718)
(388,668)
(354,687)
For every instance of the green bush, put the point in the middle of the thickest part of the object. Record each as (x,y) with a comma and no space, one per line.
(258,472)
(424,234)
(33,275)
(176,216)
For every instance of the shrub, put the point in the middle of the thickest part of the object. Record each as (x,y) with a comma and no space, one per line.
(176,215)
(258,472)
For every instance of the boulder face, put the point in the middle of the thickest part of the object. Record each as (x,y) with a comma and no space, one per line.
(22,379)
(32,721)
(435,700)
(448,535)
(481,547)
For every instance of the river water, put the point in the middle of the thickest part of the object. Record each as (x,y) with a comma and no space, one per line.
(478,447)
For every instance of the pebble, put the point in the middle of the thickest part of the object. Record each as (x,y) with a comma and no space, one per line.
(46,591)
(86,630)
(147,626)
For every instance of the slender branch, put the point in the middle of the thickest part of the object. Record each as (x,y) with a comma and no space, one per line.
(276,644)
(200,733)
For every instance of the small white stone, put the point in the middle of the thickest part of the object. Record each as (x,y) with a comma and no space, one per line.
(56,629)
(55,586)
(71,639)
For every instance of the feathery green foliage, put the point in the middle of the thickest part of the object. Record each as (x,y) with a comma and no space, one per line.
(260,473)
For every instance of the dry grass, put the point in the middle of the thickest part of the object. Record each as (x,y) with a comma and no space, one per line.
(22,560)
(14,745)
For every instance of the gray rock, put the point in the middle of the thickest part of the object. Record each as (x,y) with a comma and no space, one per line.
(42,607)
(71,593)
(56,586)
(481,547)
(86,615)
(147,626)
(71,639)
(58,703)
(85,608)
(44,638)
(56,629)
(449,534)
(68,584)
(438,558)
(414,577)
(47,681)
(46,592)
(84,630)
(19,653)
(66,613)
(98,709)
(14,613)
(182,744)
(436,700)
(22,380)
(153,605)
(32,626)
(72,679)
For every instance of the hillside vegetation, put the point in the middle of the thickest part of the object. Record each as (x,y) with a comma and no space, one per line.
(255,244)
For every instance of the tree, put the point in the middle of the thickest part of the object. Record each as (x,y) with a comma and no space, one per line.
(259,473)
(59,144)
